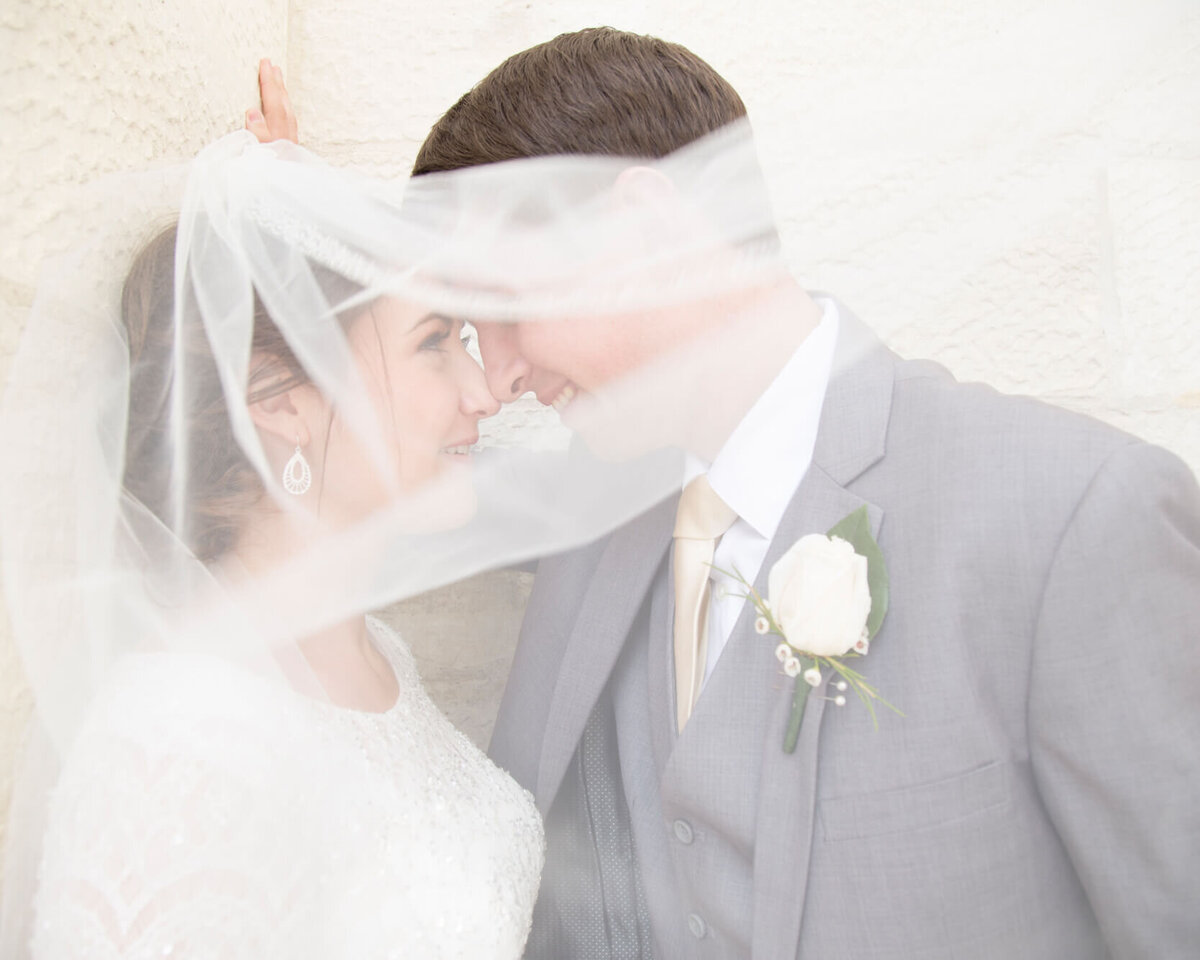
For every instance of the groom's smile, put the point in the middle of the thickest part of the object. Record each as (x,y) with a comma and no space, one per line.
(565,396)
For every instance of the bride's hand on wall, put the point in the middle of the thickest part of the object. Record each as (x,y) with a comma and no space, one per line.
(276,120)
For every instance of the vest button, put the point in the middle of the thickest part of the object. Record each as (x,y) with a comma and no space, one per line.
(683,831)
(697,926)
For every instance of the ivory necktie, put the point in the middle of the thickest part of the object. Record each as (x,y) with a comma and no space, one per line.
(700,521)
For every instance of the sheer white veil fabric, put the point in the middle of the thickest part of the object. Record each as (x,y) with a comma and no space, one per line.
(679,251)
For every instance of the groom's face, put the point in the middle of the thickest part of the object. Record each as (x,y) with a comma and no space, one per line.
(510,374)
(642,216)
(557,359)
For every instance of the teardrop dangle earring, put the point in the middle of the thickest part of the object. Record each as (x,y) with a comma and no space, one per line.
(297,474)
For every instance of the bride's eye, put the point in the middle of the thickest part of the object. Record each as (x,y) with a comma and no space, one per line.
(438,336)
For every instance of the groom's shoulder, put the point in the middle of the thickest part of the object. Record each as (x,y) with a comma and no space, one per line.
(928,401)
(930,411)
(974,434)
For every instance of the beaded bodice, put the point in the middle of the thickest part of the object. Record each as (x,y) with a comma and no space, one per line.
(253,823)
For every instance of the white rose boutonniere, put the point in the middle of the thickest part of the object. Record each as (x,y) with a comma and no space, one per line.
(819,595)
(826,598)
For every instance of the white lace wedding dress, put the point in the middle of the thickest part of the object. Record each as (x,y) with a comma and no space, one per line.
(202,813)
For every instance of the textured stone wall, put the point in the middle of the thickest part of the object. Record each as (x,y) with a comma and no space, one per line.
(1012,188)
(88,88)
(1009,188)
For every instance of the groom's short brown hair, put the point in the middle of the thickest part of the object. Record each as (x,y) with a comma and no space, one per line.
(595,91)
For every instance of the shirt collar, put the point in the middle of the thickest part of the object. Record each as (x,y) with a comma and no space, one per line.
(764,459)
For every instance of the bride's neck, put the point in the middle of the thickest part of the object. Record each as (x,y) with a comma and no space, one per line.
(348,669)
(270,539)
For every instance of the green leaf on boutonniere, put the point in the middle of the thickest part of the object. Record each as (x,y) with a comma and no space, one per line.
(855,529)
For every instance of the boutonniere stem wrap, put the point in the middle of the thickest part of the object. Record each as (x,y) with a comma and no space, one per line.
(826,599)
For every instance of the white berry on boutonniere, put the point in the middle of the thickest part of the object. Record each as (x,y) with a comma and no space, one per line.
(826,599)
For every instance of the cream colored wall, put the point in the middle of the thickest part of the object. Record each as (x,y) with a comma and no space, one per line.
(89,87)
(1011,188)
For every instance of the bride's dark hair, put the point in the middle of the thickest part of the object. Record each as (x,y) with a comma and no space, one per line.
(221,487)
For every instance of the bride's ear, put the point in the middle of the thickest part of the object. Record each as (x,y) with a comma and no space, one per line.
(283,414)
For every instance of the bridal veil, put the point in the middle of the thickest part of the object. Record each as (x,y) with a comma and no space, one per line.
(132,422)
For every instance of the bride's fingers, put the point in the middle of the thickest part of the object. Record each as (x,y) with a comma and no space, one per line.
(256,123)
(277,110)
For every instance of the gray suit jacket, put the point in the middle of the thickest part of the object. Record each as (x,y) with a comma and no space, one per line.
(1038,797)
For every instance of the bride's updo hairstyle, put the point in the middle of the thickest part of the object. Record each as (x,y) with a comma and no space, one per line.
(222,486)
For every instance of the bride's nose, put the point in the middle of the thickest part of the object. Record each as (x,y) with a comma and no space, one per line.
(475,398)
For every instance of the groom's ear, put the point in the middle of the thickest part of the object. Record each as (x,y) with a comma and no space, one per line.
(661,218)
(641,185)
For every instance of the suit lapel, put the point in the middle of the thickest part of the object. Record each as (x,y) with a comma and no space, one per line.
(851,438)
(788,782)
(606,614)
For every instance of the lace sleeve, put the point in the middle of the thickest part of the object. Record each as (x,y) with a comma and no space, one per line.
(177,829)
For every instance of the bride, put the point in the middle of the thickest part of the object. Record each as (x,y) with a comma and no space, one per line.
(230,443)
(220,798)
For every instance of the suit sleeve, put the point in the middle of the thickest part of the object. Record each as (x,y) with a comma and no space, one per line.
(1114,709)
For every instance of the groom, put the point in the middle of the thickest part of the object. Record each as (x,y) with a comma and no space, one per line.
(1038,797)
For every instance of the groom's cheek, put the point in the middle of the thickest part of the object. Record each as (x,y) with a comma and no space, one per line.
(539,343)
(578,349)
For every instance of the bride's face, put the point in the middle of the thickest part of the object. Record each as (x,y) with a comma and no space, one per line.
(426,396)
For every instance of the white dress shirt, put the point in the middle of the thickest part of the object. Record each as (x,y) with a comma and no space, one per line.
(759,468)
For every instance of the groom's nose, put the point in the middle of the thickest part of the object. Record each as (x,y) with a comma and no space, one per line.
(507,372)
